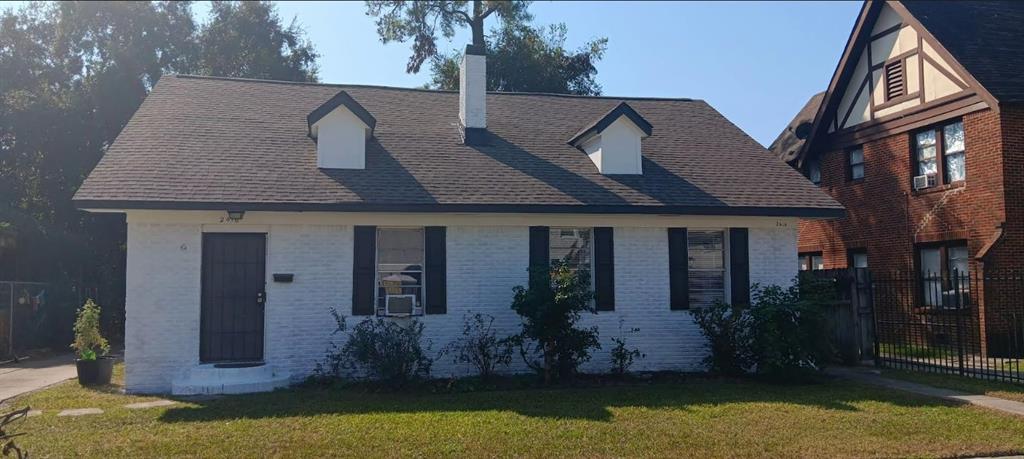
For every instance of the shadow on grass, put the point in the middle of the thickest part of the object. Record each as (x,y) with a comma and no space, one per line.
(594,403)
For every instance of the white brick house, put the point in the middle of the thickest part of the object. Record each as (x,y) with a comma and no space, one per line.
(253,207)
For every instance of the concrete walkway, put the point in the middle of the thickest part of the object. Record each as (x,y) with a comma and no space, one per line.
(873,377)
(29,375)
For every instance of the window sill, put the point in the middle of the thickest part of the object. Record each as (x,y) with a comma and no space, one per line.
(938,310)
(383,314)
(940,188)
(855,181)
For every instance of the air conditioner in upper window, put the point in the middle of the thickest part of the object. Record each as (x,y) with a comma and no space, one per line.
(924,181)
(400,305)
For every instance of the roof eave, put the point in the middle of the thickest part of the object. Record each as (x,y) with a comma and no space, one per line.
(769,211)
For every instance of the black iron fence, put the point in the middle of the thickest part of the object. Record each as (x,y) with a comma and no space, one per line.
(970,324)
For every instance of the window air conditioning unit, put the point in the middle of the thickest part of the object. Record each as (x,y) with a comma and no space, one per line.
(400,305)
(924,181)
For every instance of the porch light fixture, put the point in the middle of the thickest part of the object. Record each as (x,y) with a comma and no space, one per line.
(235,215)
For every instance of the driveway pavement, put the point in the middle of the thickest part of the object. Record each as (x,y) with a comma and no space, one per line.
(29,375)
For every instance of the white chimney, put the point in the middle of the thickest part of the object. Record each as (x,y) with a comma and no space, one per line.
(473,89)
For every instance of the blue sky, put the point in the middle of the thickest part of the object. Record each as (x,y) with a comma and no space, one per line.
(757,63)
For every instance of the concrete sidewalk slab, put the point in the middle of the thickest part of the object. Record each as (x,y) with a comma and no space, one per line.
(30,375)
(80,412)
(153,404)
(873,377)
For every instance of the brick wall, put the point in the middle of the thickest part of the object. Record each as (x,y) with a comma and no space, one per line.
(484,263)
(887,217)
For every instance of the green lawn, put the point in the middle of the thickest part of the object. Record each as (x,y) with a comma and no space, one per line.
(695,417)
(969,385)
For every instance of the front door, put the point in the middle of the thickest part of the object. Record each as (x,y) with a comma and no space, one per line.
(233,283)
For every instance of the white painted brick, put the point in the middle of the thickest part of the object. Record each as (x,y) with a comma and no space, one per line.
(484,264)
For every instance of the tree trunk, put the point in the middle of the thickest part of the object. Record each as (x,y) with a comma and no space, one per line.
(477,25)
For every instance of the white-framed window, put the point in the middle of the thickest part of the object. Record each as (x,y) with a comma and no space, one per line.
(812,261)
(855,158)
(940,151)
(400,266)
(814,171)
(707,270)
(944,270)
(858,258)
(574,247)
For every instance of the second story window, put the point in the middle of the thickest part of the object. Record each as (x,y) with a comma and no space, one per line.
(939,152)
(855,161)
(814,171)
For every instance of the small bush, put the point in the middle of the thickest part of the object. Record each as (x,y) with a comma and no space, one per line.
(621,355)
(378,349)
(550,343)
(89,342)
(729,333)
(480,346)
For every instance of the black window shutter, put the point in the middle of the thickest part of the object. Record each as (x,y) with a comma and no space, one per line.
(604,269)
(436,275)
(739,265)
(364,270)
(539,250)
(678,269)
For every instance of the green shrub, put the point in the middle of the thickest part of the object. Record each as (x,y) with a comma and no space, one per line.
(790,334)
(378,349)
(89,342)
(550,342)
(480,346)
(729,334)
(781,336)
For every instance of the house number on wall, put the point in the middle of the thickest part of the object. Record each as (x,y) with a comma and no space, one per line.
(781,224)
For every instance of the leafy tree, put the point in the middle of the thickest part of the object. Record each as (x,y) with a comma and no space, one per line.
(73,73)
(526,58)
(422,21)
(247,39)
(551,308)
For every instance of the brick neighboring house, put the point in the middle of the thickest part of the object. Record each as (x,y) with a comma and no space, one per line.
(944,99)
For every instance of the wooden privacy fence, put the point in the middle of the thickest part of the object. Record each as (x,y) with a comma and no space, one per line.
(849,316)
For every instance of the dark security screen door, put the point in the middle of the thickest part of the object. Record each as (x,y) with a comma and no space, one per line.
(231,324)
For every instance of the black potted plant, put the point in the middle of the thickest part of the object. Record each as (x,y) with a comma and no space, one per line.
(94,366)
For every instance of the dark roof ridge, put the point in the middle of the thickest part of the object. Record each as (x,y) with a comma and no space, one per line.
(445,91)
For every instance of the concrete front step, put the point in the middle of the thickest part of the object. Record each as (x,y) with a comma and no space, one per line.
(207,379)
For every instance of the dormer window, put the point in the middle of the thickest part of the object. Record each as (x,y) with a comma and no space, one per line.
(614,142)
(340,127)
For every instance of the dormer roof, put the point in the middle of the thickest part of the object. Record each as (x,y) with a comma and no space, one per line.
(602,123)
(341,99)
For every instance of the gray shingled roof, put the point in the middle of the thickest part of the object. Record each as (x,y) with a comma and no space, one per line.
(210,143)
(986,37)
(789,144)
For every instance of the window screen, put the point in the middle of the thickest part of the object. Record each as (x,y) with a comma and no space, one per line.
(706,249)
(400,258)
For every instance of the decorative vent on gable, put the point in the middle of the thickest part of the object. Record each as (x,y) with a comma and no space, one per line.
(894,84)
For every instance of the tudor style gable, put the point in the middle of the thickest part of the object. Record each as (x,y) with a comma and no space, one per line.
(894,76)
